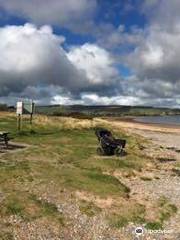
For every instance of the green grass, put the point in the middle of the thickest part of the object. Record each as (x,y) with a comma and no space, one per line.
(176,169)
(154,225)
(105,110)
(14,207)
(137,213)
(89,208)
(65,158)
(86,180)
(29,207)
(165,211)
(146,178)
(47,209)
(69,157)
(4,235)
(134,213)
(118,221)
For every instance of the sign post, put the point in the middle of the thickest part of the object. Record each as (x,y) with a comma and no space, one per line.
(19,111)
(24,108)
(19,122)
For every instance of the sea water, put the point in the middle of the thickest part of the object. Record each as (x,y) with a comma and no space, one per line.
(172,120)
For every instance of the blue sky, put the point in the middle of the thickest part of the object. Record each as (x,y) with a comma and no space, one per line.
(90,52)
(107,12)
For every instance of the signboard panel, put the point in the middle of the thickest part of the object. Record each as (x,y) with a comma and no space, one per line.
(28,108)
(19,108)
(25,108)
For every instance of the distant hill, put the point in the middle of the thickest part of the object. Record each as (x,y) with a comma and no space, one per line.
(111,110)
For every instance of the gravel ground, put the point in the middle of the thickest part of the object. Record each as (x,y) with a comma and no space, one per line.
(81,227)
(78,227)
(167,184)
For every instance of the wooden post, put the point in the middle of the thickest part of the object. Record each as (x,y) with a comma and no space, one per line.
(31,120)
(19,122)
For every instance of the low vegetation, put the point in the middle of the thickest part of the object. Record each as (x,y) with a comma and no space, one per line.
(132,212)
(60,157)
(80,111)
(165,209)
(89,208)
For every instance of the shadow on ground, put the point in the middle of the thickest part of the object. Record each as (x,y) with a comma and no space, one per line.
(11,147)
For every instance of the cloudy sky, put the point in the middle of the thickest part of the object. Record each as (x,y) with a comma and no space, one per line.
(90,51)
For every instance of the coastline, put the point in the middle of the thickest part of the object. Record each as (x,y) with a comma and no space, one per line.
(132,123)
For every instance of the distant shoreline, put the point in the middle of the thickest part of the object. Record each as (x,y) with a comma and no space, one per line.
(131,122)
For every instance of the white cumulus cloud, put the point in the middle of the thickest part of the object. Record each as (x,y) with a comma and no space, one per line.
(31,56)
(96,62)
(32,59)
(156,58)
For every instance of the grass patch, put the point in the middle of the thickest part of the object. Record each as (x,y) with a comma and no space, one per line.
(29,207)
(13,173)
(146,178)
(14,207)
(134,213)
(63,151)
(154,225)
(47,209)
(6,236)
(176,169)
(137,213)
(107,181)
(89,208)
(118,221)
(88,180)
(165,210)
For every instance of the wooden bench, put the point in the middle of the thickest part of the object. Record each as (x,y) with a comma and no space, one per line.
(4,137)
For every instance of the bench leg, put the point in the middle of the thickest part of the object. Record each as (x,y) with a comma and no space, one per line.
(6,142)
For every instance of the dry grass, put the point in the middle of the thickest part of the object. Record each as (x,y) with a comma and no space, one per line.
(64,122)
(62,157)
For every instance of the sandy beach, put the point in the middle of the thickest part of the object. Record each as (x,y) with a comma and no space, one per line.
(162,134)
(132,123)
(165,143)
